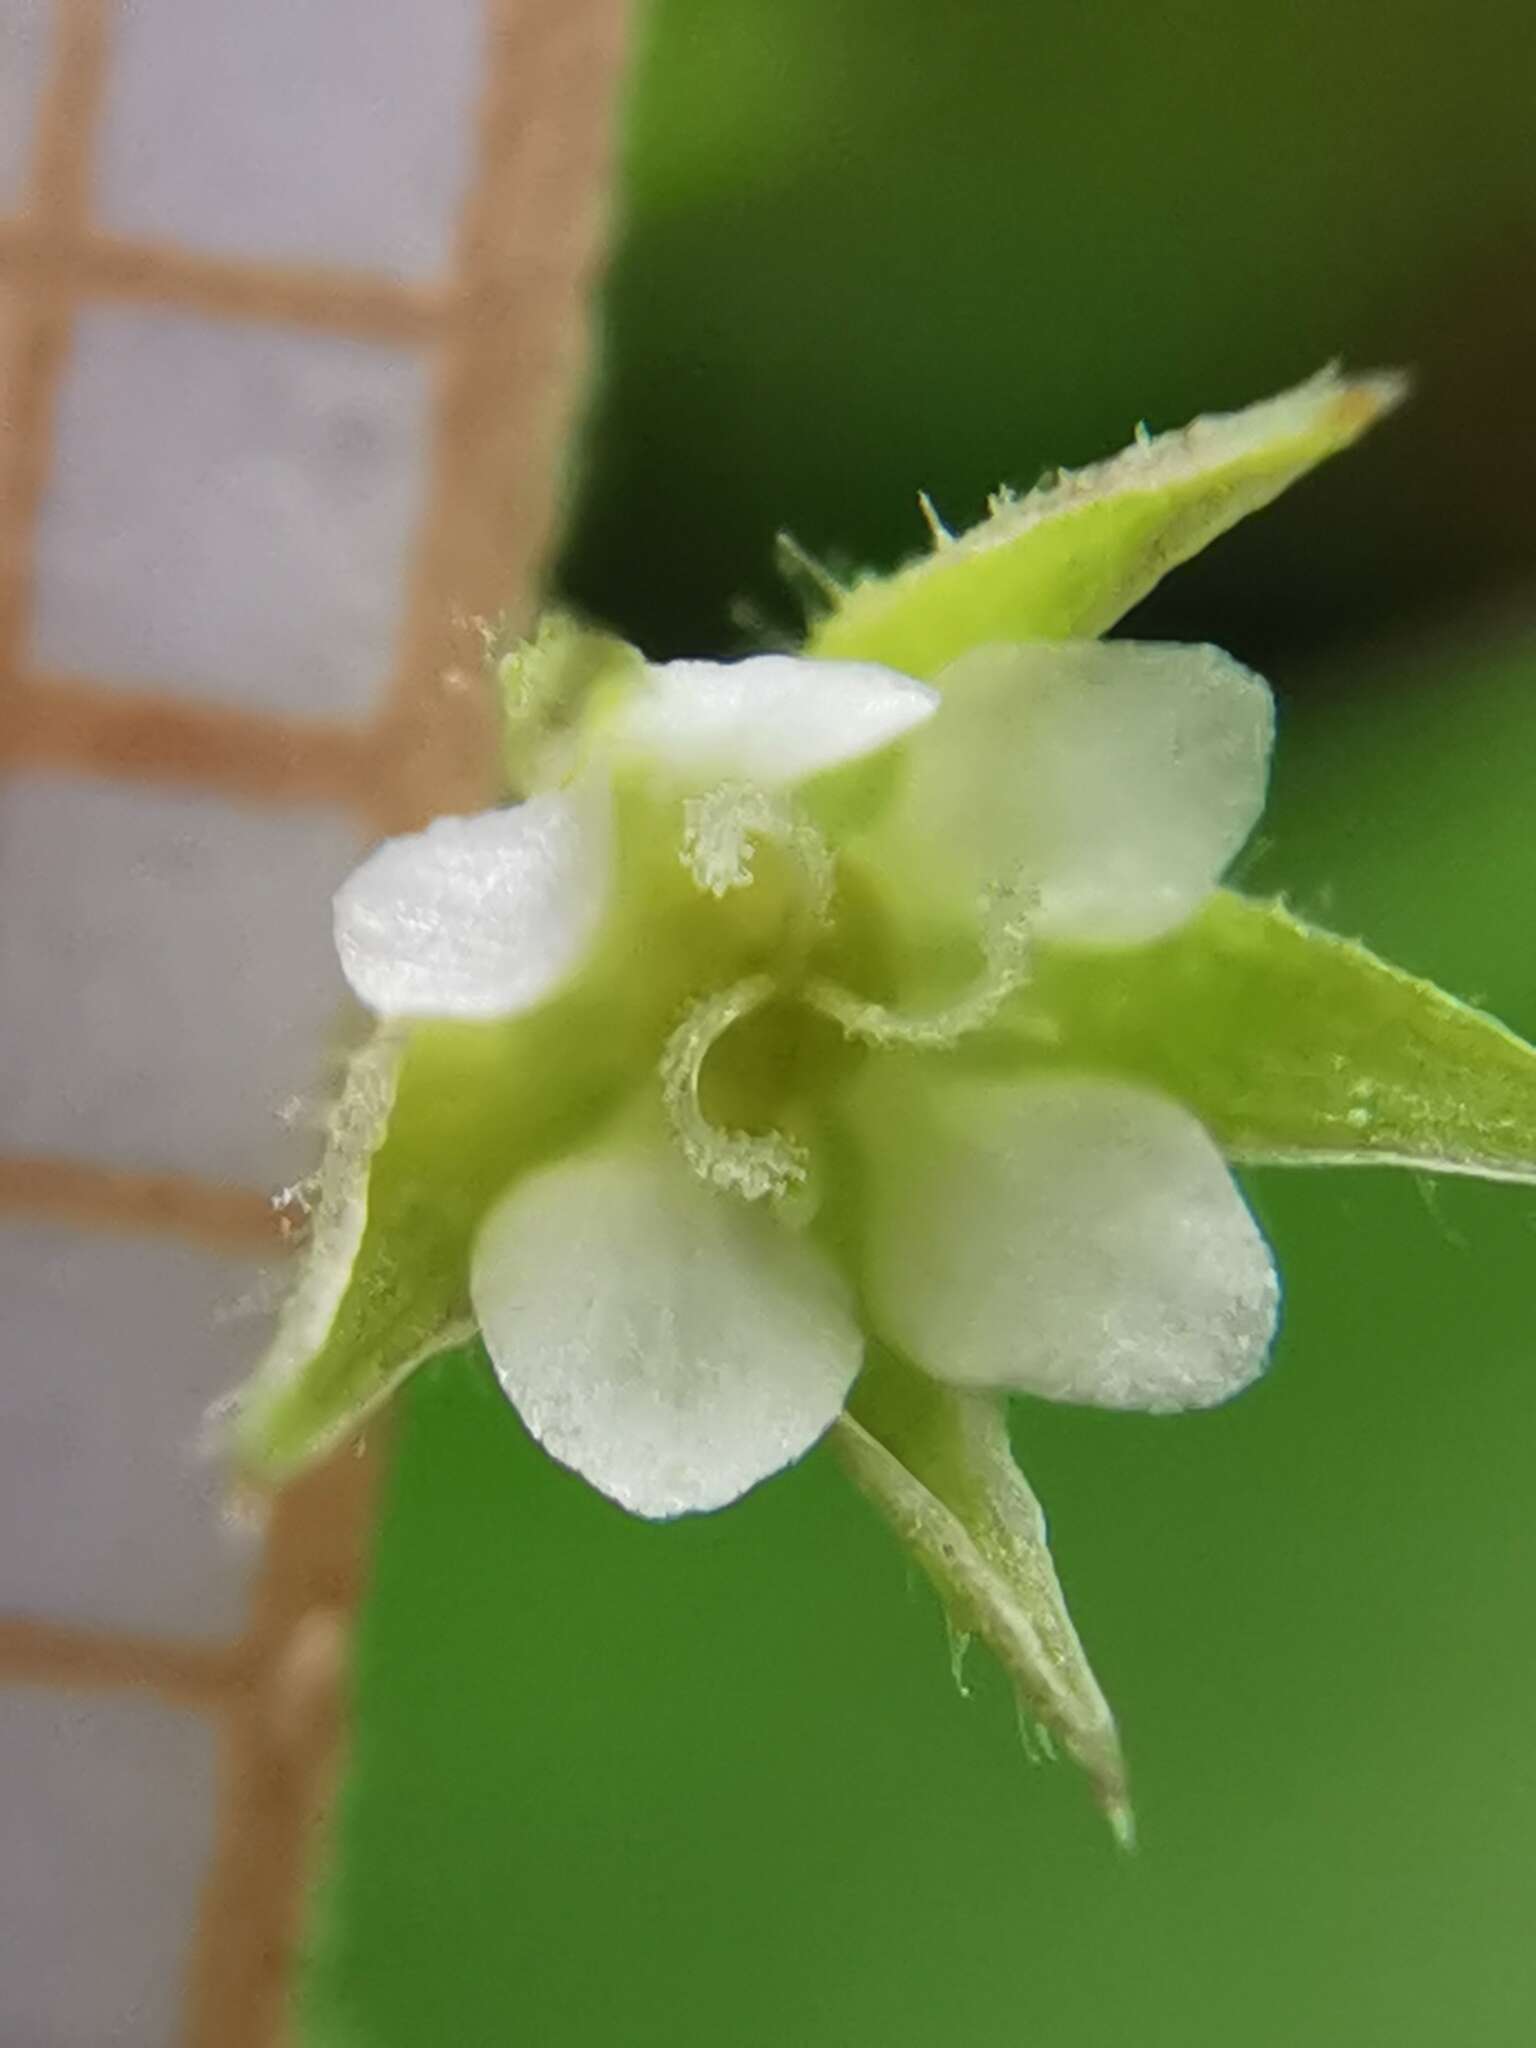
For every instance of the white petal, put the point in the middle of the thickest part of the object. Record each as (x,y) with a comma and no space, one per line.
(476,917)
(670,1343)
(1116,779)
(1071,1237)
(773,719)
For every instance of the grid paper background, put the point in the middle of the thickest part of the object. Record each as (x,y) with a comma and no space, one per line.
(289,298)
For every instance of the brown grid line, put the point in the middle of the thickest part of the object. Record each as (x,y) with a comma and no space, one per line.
(280,1743)
(506,324)
(111,1198)
(80,266)
(72,722)
(44,1653)
(504,400)
(56,203)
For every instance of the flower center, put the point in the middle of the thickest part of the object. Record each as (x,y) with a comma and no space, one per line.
(1005,944)
(752,1165)
(722,834)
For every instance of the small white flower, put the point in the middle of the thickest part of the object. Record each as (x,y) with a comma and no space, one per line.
(814,1022)
(861,869)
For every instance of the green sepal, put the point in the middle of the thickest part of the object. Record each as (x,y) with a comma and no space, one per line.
(1072,556)
(549,691)
(468,1107)
(936,1461)
(1292,1045)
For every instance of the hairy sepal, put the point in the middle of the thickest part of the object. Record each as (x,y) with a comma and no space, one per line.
(937,1463)
(471,1105)
(1071,557)
(1292,1045)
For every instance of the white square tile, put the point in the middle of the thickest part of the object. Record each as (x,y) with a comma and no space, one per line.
(339,133)
(108,1830)
(25,36)
(167,978)
(230,511)
(112,1349)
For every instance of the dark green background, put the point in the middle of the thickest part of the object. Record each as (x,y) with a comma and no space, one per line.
(872,245)
(712,1783)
